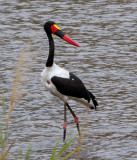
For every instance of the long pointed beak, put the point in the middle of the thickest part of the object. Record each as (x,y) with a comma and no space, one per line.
(69,40)
(57,31)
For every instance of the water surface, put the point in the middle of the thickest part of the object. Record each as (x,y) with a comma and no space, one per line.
(106,62)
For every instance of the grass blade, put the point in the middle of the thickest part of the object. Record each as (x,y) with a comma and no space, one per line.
(65,147)
(1,140)
(3,105)
(27,156)
(54,151)
(69,154)
(9,148)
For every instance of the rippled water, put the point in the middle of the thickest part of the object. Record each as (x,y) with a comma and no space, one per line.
(106,62)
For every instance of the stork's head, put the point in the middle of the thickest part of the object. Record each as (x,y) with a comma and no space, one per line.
(51,27)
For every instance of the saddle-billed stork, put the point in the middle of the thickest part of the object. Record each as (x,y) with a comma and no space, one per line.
(62,83)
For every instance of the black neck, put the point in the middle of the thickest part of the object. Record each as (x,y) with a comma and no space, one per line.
(50,59)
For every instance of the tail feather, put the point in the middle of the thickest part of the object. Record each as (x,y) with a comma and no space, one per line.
(93,100)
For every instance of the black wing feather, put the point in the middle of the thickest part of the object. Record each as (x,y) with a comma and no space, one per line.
(71,87)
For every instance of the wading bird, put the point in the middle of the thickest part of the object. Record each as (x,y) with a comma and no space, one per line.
(62,83)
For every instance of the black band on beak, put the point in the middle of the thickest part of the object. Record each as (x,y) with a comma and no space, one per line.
(59,33)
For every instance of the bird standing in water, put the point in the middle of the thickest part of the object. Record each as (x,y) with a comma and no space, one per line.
(62,83)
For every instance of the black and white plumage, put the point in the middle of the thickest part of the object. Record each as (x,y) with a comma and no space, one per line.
(62,83)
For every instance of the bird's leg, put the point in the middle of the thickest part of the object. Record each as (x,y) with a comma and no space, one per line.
(65,123)
(75,118)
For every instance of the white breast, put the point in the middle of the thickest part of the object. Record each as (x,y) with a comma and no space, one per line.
(55,70)
(50,72)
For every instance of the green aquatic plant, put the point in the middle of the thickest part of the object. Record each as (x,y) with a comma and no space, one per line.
(4,135)
(27,156)
(55,156)
(16,97)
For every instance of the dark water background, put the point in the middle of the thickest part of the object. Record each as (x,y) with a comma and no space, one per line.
(106,62)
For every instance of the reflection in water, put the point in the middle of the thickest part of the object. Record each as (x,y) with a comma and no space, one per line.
(106,60)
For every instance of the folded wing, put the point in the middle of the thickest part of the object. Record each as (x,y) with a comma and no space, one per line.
(72,86)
